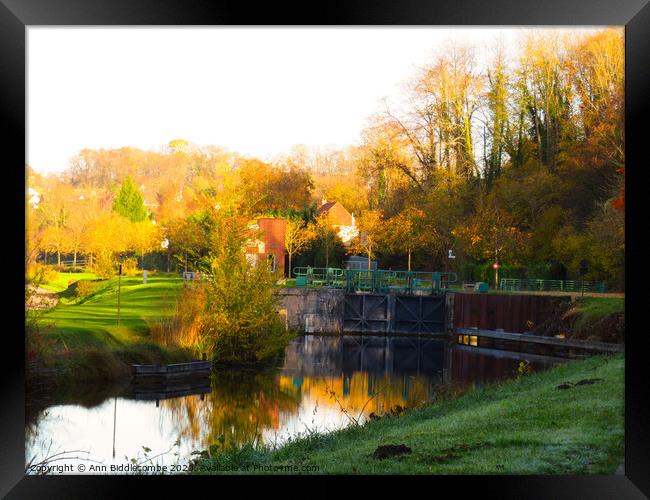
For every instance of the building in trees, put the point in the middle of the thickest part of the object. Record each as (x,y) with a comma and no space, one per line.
(266,243)
(340,219)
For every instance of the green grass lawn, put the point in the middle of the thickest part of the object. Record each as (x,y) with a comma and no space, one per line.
(523,426)
(80,337)
(60,283)
(94,319)
(597,307)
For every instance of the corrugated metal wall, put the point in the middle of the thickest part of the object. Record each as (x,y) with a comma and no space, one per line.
(511,313)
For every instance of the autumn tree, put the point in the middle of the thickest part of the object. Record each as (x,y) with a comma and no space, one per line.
(491,235)
(107,237)
(325,236)
(77,229)
(268,187)
(55,210)
(297,237)
(408,232)
(438,123)
(144,237)
(371,229)
(383,161)
(497,119)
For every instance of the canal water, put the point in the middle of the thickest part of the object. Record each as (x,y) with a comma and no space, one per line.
(324,383)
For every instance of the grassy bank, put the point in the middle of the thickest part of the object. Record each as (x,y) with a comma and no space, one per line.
(595,308)
(523,426)
(62,280)
(81,337)
(588,318)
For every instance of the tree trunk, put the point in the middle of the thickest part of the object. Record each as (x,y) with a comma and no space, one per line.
(289,264)
(58,257)
(409,265)
(74,259)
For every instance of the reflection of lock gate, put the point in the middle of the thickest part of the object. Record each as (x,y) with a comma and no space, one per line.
(376,281)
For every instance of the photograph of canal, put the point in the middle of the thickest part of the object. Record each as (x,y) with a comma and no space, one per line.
(331,250)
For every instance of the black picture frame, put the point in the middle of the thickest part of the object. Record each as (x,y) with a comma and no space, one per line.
(16,15)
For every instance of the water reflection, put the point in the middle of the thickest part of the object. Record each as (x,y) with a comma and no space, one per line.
(324,383)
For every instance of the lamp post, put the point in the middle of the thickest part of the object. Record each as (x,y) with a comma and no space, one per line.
(495,266)
(119,289)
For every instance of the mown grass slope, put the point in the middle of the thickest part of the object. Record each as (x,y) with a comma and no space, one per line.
(93,319)
(82,336)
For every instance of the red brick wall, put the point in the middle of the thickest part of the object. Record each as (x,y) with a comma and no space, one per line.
(272,234)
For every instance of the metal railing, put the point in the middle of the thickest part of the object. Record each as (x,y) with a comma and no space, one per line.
(378,281)
(533,285)
(72,263)
(321,276)
(195,276)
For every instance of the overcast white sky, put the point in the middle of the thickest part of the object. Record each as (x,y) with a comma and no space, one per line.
(257,91)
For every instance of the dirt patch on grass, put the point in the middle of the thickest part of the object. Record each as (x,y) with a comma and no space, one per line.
(585,381)
(390,450)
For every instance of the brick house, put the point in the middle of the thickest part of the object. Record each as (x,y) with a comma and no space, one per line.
(266,242)
(340,219)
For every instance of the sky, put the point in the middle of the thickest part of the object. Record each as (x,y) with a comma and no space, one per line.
(256,91)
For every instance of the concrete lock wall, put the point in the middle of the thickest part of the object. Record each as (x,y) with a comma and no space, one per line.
(328,310)
(312,310)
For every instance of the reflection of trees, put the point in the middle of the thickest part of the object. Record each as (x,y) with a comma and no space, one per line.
(355,390)
(241,405)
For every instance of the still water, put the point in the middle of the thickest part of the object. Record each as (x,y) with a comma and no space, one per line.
(324,383)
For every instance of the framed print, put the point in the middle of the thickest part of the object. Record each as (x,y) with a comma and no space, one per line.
(375,241)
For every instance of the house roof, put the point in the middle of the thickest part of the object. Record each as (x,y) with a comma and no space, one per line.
(326,207)
(337,214)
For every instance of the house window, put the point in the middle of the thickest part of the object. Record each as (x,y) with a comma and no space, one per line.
(270,260)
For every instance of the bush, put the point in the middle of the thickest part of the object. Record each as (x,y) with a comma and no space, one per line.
(85,288)
(39,274)
(70,269)
(181,328)
(104,266)
(234,318)
(130,266)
